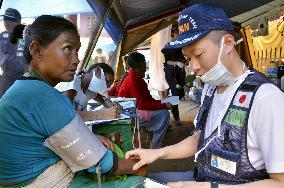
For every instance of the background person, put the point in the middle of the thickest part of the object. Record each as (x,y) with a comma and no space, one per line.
(175,74)
(99,58)
(11,64)
(91,84)
(154,115)
(114,89)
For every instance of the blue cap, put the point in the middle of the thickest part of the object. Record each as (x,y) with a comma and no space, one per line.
(196,21)
(12,15)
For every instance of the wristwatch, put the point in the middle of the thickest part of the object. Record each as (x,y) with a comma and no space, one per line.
(108,102)
(214,185)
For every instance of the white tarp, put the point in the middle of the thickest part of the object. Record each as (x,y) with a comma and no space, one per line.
(156,65)
(35,8)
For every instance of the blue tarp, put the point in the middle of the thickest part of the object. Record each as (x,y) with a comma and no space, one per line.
(114,32)
(111,25)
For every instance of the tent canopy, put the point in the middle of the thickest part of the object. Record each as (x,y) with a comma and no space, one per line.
(142,18)
(138,11)
(131,22)
(35,8)
(126,15)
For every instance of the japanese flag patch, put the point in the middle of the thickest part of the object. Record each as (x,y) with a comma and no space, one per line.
(243,99)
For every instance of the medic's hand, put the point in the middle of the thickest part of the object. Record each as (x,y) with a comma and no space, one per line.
(106,142)
(146,156)
(189,184)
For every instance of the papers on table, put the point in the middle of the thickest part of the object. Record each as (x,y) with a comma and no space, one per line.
(128,110)
(127,104)
(89,123)
(174,100)
(150,183)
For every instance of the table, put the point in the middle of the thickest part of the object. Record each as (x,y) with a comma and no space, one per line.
(124,127)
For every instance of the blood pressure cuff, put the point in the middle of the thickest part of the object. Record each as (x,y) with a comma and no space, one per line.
(76,145)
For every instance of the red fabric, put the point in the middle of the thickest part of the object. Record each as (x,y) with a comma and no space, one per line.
(113,91)
(134,86)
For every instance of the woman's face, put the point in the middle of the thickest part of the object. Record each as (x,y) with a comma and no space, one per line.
(59,60)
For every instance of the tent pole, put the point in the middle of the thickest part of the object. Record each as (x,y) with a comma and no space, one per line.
(94,39)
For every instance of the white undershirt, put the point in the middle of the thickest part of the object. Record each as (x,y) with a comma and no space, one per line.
(265,124)
(75,84)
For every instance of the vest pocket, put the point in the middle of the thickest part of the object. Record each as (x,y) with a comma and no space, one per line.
(224,161)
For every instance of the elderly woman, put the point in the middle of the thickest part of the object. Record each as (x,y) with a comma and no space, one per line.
(43,141)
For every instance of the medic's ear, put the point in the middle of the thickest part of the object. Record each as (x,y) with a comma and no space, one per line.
(229,43)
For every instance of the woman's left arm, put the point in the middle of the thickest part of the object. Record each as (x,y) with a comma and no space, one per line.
(106,102)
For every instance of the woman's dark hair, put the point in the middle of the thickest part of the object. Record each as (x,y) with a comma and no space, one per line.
(17,33)
(106,68)
(45,29)
(135,60)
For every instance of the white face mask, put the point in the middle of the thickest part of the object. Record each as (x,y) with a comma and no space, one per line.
(219,74)
(98,85)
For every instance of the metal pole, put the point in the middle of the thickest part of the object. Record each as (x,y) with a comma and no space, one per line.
(94,39)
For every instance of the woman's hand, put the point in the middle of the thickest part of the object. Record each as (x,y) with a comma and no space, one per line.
(189,184)
(119,107)
(146,156)
(108,113)
(169,106)
(108,103)
(106,142)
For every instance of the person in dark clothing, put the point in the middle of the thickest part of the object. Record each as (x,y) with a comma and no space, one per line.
(12,66)
(153,115)
(175,74)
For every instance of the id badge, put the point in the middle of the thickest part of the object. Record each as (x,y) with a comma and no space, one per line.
(224,164)
(20,54)
(6,35)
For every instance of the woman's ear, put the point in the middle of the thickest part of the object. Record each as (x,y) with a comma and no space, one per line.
(35,50)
